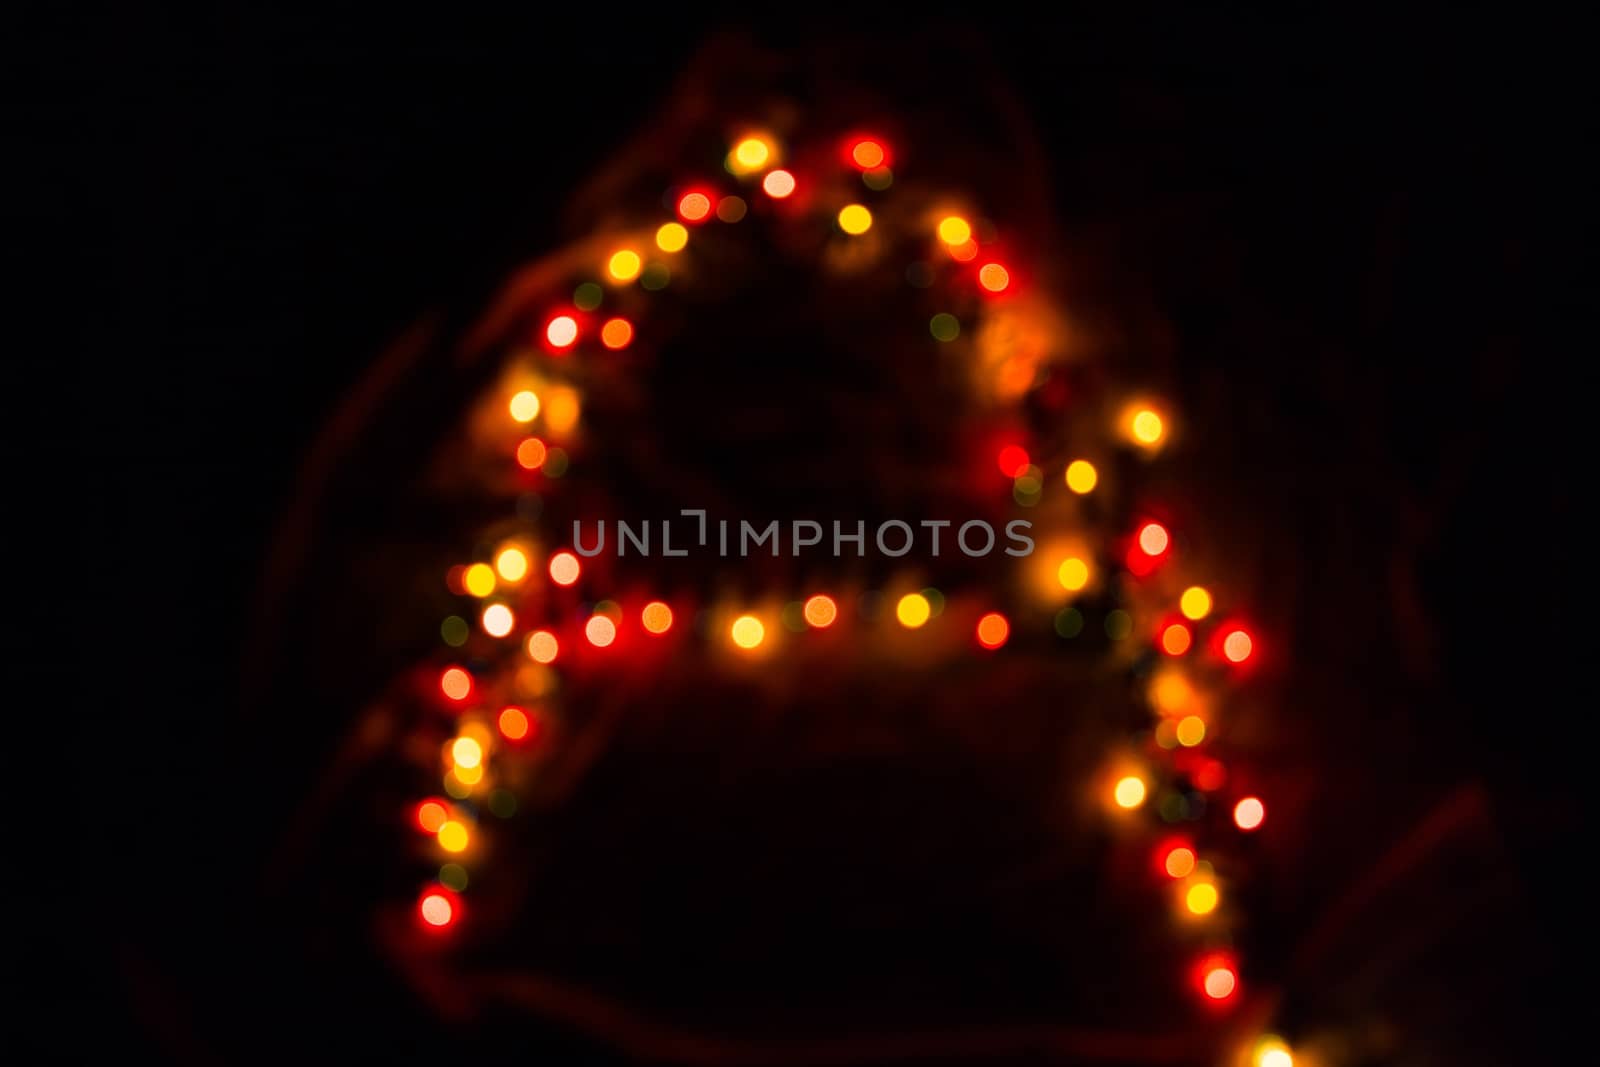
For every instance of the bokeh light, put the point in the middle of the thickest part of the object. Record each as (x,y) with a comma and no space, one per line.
(855,219)
(994,277)
(867,154)
(498,620)
(513,723)
(778,184)
(944,326)
(1082,476)
(1073,574)
(955,230)
(453,836)
(672,237)
(993,629)
(600,631)
(747,631)
(1237,646)
(750,154)
(731,208)
(656,617)
(436,909)
(466,752)
(1195,603)
(1129,792)
(1271,1051)
(616,333)
(1178,862)
(1176,639)
(1012,460)
(454,630)
(478,580)
(1219,981)
(1191,731)
(1249,813)
(564,568)
(624,265)
(542,646)
(511,563)
(525,406)
(820,611)
(913,610)
(1201,898)
(530,453)
(694,207)
(562,331)
(1153,539)
(455,683)
(431,814)
(587,296)
(1147,426)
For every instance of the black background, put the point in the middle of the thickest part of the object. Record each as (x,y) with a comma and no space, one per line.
(1344,218)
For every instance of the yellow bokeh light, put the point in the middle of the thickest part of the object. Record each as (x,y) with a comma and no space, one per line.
(1147,427)
(624,265)
(1073,574)
(466,752)
(478,579)
(751,154)
(1272,1052)
(469,776)
(747,631)
(855,219)
(1129,792)
(672,237)
(955,230)
(913,610)
(512,563)
(1081,476)
(525,406)
(453,836)
(498,620)
(1201,898)
(1195,603)
(1191,731)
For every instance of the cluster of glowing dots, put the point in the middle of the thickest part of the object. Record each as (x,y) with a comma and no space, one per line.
(656,618)
(562,330)
(1129,792)
(1249,813)
(525,406)
(820,611)
(564,568)
(855,219)
(993,630)
(600,631)
(913,610)
(747,632)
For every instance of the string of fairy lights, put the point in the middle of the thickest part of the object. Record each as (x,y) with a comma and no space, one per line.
(499,701)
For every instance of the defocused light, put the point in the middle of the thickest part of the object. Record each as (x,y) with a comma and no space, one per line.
(750,154)
(600,631)
(944,326)
(1170,691)
(1153,539)
(1219,982)
(867,154)
(478,579)
(1237,646)
(616,333)
(913,610)
(778,184)
(564,568)
(560,414)
(656,617)
(456,683)
(1013,461)
(436,909)
(624,265)
(563,330)
(672,237)
(468,776)
(694,207)
(1272,1052)
(525,406)
(1146,427)
(731,208)
(1249,813)
(1210,776)
(1129,792)
(855,219)
(512,564)
(1081,476)
(993,629)
(587,297)
(1201,898)
(878,179)
(431,815)
(530,453)
(513,724)
(747,631)
(1191,731)
(466,752)
(542,647)
(1179,862)
(994,277)
(1073,574)
(1195,603)
(453,836)
(964,252)
(954,230)
(1118,624)
(1176,639)
(498,620)
(820,611)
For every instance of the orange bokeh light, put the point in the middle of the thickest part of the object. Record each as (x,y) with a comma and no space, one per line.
(616,333)
(656,617)
(531,453)
(431,815)
(694,207)
(820,611)
(868,154)
(455,683)
(994,277)
(1176,639)
(1012,460)
(513,724)
(993,629)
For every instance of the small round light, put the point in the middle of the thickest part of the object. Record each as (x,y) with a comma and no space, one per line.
(513,724)
(1179,862)
(867,154)
(453,836)
(478,580)
(955,230)
(993,629)
(1237,646)
(1191,731)
(944,326)
(562,331)
(1012,460)
(855,219)
(531,453)
(747,631)
(1153,539)
(731,208)
(1081,476)
(1195,603)
(1073,574)
(1176,639)
(1249,813)
(542,646)
(436,910)
(616,333)
(656,617)
(1220,982)
(511,563)
(1147,427)
(431,815)
(600,631)
(964,252)
(466,752)
(1129,792)
(564,568)
(778,184)
(498,620)
(750,154)
(994,277)
(525,406)
(624,265)
(455,683)
(913,610)
(1272,1052)
(1201,898)
(820,611)
(672,237)
(694,207)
